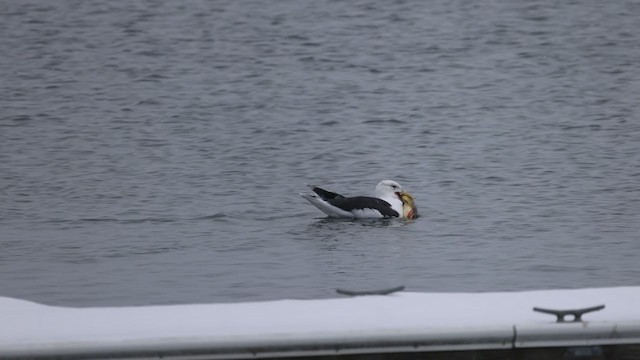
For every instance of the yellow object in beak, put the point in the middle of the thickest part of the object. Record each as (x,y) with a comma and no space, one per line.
(409,209)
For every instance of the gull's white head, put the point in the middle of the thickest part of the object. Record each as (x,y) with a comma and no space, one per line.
(388,187)
(400,200)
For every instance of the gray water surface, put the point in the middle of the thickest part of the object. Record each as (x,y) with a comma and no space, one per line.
(152,152)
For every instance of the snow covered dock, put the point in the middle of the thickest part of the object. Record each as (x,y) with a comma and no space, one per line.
(402,325)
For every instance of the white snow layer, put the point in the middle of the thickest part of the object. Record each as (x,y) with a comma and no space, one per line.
(480,320)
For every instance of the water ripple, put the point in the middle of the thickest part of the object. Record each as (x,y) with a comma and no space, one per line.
(149,150)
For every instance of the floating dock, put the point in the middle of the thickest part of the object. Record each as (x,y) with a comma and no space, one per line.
(602,323)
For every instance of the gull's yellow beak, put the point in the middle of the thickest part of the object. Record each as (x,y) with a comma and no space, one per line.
(409,209)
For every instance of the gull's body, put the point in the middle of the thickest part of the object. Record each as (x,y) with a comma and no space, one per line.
(387,202)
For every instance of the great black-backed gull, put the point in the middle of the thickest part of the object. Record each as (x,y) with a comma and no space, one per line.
(390,201)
